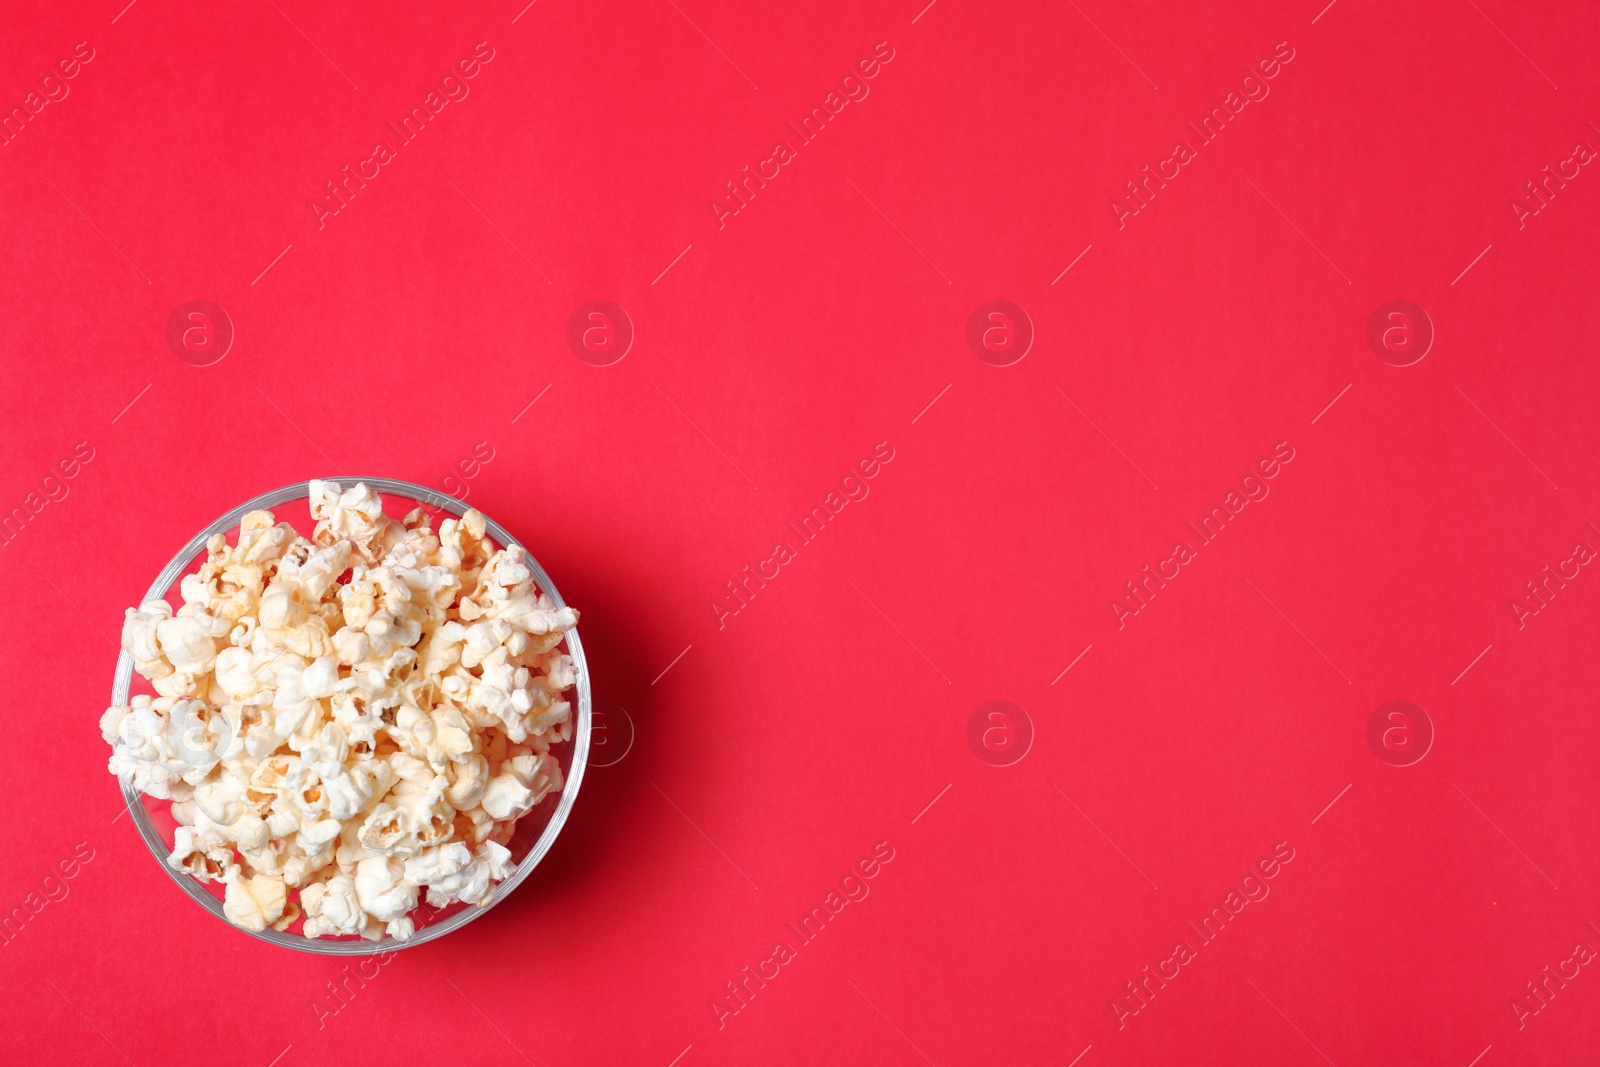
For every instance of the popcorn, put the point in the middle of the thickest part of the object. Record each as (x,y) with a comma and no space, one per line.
(349,722)
(468,782)
(382,890)
(202,855)
(256,902)
(506,797)
(472,875)
(139,638)
(332,907)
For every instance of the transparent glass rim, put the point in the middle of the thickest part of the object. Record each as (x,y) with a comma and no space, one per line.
(573,776)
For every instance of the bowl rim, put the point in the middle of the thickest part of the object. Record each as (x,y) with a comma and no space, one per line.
(572,777)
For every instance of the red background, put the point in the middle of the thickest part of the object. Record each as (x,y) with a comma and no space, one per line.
(820,320)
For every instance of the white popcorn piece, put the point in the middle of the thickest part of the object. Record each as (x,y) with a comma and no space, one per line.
(189,642)
(139,638)
(387,831)
(353,787)
(317,835)
(506,797)
(221,811)
(347,721)
(291,912)
(382,890)
(203,857)
(236,671)
(472,881)
(482,824)
(321,679)
(468,781)
(523,781)
(256,902)
(437,865)
(297,867)
(332,907)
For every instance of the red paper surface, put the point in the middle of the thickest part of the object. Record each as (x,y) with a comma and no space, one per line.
(841,717)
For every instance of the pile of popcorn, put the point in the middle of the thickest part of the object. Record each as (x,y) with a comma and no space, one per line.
(349,720)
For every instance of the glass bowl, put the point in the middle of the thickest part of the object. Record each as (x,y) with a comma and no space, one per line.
(535,832)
